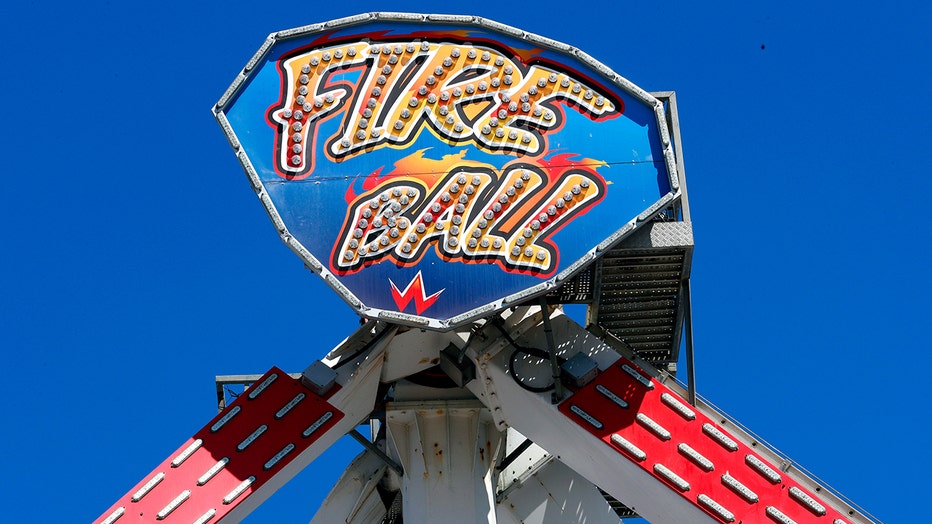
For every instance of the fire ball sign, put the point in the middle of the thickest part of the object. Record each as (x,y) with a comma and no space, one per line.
(434,169)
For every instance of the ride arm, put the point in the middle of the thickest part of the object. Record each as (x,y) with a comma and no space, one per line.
(261,440)
(640,440)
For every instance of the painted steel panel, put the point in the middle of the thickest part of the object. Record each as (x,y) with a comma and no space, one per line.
(232,456)
(693,455)
(435,170)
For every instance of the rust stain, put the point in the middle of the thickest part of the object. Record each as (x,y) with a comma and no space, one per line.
(435,361)
(423,361)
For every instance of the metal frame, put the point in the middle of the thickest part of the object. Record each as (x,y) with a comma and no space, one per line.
(567,449)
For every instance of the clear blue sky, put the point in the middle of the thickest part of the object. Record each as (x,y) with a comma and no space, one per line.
(136,263)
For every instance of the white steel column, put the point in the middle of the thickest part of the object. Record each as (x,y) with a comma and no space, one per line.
(447,449)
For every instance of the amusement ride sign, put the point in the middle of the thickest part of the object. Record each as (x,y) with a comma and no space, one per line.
(435,173)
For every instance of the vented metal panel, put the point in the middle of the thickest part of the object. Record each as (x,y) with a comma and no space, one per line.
(620,509)
(578,290)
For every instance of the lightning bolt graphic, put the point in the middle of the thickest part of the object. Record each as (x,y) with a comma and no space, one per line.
(414,290)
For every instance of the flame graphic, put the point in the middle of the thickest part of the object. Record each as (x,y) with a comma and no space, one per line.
(414,290)
(417,166)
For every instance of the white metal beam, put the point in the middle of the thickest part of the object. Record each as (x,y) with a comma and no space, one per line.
(358,379)
(534,416)
(448,449)
(555,494)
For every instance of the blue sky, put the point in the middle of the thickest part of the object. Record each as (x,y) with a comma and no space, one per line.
(136,263)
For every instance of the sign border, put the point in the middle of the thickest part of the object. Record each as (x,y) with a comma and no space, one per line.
(438,324)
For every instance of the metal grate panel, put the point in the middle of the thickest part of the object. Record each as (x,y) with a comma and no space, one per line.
(577,290)
(637,291)
(620,509)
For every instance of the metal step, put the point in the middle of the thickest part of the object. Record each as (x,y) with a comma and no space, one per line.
(638,289)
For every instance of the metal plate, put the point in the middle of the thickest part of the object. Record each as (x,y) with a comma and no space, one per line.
(238,452)
(436,169)
(687,450)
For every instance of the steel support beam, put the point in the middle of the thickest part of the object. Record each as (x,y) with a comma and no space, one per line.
(448,450)
(690,354)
